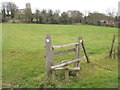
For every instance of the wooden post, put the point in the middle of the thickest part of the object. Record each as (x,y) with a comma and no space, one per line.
(114,54)
(66,73)
(111,50)
(53,75)
(49,56)
(77,64)
(84,49)
(79,50)
(53,71)
(77,55)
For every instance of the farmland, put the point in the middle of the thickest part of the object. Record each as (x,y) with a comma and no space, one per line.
(24,55)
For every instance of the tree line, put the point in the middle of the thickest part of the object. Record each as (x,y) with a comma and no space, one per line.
(10,11)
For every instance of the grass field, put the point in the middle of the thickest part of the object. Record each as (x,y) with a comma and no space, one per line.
(24,62)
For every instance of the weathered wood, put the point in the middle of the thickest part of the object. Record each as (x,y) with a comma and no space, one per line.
(59,68)
(74,69)
(111,50)
(78,73)
(77,54)
(64,52)
(66,45)
(66,74)
(70,69)
(78,50)
(50,67)
(49,56)
(68,62)
(114,54)
(62,62)
(53,75)
(84,49)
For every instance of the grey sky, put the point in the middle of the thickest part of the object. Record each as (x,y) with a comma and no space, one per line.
(64,5)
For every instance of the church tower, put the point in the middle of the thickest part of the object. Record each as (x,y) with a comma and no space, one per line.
(28,6)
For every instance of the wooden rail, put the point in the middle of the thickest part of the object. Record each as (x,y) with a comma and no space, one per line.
(68,62)
(66,45)
(71,69)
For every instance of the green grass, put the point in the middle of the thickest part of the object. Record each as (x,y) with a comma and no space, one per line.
(24,62)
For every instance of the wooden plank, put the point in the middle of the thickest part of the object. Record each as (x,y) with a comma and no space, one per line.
(68,62)
(111,50)
(66,45)
(59,68)
(62,62)
(71,69)
(49,56)
(84,49)
(74,69)
(64,52)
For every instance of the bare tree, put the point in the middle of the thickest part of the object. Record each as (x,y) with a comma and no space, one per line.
(85,14)
(11,9)
(3,9)
(8,9)
(37,14)
(111,12)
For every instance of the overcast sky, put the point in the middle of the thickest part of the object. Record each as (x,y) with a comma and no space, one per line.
(64,5)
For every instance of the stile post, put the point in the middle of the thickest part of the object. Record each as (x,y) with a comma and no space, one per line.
(77,54)
(66,73)
(53,75)
(111,50)
(114,54)
(49,56)
(86,54)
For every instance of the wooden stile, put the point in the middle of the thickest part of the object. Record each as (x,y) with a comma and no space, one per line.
(51,68)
